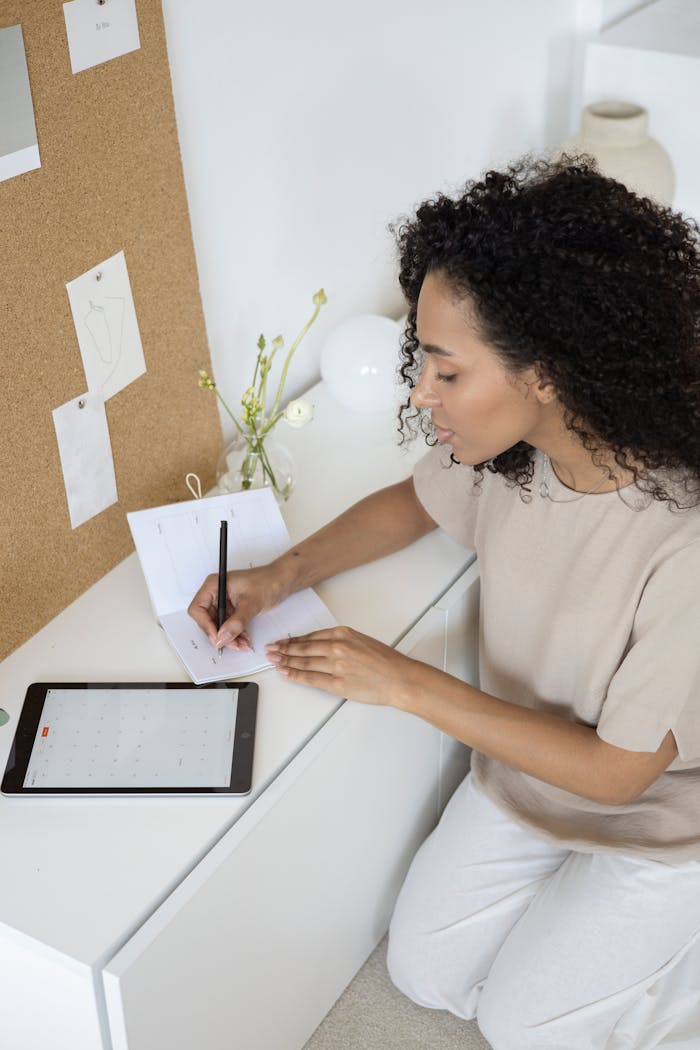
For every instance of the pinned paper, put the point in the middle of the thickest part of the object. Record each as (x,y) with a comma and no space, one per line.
(19,149)
(86,456)
(105,324)
(99,32)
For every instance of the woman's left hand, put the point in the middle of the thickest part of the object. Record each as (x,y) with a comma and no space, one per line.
(346,663)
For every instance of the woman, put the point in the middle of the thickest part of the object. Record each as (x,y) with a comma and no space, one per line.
(552,350)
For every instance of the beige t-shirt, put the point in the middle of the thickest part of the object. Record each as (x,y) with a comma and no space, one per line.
(589,609)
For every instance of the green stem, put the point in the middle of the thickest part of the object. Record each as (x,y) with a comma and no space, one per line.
(257,365)
(262,394)
(267,467)
(270,424)
(256,450)
(239,428)
(248,468)
(295,344)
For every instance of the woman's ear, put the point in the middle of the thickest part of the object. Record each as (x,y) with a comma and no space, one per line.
(536,383)
(545,391)
(543,387)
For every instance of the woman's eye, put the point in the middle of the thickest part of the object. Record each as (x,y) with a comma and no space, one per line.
(443,378)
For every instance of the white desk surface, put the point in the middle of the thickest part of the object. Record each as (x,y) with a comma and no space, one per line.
(81,875)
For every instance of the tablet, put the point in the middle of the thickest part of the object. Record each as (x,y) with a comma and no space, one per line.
(135,738)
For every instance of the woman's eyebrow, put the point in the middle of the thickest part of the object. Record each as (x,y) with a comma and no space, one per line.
(430,348)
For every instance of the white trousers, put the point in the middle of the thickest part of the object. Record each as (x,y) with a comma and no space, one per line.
(547,947)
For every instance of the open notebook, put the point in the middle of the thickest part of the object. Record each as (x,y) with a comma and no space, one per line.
(178,545)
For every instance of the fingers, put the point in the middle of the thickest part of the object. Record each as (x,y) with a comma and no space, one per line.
(321,652)
(314,643)
(311,661)
(319,663)
(301,647)
(313,671)
(202,608)
(233,634)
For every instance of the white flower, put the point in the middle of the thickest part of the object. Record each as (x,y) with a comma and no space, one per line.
(298,413)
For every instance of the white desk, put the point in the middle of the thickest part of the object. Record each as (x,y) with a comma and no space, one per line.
(220,923)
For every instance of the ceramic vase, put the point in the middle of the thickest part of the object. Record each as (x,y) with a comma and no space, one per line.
(616,135)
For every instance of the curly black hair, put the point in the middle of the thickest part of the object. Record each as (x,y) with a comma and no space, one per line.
(598,289)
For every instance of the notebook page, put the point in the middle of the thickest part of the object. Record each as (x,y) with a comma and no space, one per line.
(178,544)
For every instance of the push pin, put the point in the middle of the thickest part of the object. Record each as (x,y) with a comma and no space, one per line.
(81,403)
(98,275)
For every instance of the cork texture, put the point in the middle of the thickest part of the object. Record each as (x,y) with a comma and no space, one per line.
(111,180)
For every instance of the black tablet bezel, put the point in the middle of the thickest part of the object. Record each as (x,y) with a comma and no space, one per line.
(30,716)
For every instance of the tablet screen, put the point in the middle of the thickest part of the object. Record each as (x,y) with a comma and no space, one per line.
(129,738)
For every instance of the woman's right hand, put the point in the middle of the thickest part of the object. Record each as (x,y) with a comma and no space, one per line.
(248,592)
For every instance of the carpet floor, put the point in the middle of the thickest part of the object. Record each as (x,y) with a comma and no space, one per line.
(372,1015)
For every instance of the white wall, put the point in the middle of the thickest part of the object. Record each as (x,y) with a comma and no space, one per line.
(306,127)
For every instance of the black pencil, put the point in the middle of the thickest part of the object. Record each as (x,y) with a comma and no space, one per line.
(221,596)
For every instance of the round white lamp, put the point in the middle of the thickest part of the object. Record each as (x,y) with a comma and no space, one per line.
(359,362)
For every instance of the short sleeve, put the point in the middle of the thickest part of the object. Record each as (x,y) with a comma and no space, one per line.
(448,494)
(657,686)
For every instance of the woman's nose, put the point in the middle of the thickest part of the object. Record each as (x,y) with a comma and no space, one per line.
(423,395)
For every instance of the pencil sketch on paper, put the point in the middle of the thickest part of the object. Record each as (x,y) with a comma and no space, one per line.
(105,323)
(106,334)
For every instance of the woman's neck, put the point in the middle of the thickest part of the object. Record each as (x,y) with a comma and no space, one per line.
(581,470)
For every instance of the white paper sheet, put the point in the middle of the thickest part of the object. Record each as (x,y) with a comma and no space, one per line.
(178,546)
(105,324)
(100,32)
(19,149)
(86,457)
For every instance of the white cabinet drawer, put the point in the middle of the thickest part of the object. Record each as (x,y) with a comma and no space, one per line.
(254,947)
(252,950)
(46,999)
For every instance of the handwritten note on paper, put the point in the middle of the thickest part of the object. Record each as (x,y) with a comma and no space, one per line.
(86,457)
(19,149)
(100,32)
(105,322)
(177,546)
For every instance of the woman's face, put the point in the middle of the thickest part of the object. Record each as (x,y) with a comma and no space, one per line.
(477,407)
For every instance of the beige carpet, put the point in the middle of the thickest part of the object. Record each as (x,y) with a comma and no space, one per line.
(372,1015)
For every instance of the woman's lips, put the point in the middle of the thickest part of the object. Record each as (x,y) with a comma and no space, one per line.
(443,435)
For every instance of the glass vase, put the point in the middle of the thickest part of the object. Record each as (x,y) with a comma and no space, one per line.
(249,462)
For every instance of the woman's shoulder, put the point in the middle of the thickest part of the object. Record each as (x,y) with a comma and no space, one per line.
(438,469)
(448,490)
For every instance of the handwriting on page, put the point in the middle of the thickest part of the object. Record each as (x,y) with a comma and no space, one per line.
(92,41)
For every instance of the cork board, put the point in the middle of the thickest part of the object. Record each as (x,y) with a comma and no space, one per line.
(111,180)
